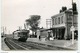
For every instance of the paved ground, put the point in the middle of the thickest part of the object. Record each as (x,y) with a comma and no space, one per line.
(58,43)
(3,45)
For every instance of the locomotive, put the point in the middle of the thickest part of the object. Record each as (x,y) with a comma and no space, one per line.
(21,35)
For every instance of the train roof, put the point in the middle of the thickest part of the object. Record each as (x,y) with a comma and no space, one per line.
(21,31)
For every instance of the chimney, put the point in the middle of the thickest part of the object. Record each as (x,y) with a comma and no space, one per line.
(63,9)
(74,8)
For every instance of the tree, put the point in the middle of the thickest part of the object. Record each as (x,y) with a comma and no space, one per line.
(33,22)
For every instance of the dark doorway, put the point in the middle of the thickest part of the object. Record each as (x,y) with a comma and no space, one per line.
(61,33)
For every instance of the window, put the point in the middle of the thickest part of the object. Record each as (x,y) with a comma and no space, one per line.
(59,20)
(53,21)
(62,19)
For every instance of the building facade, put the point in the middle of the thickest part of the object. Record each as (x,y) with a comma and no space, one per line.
(61,24)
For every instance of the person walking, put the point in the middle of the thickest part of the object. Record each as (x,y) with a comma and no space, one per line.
(40,38)
(48,36)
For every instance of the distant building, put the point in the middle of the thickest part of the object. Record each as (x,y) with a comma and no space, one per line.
(48,23)
(61,24)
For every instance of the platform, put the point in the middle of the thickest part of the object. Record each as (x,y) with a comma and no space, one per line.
(57,43)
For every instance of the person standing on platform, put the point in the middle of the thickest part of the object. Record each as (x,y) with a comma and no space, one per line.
(40,38)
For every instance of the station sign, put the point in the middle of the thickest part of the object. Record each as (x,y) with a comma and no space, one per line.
(72,28)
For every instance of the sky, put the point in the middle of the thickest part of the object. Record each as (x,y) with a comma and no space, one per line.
(15,12)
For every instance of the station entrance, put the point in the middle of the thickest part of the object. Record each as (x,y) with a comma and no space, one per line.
(59,33)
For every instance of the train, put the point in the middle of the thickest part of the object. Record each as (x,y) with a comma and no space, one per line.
(21,35)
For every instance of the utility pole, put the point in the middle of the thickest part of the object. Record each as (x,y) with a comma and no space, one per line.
(20,27)
(24,26)
(3,30)
(72,27)
(72,14)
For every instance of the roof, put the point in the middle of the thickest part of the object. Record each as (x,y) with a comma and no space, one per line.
(65,12)
(23,30)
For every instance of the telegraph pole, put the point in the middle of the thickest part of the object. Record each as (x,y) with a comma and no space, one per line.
(72,14)
(72,27)
(20,27)
(3,31)
(3,28)
(24,26)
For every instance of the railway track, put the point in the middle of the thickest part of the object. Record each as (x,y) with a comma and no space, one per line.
(33,46)
(14,46)
(17,45)
(40,46)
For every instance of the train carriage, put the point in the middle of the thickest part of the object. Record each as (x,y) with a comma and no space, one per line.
(21,35)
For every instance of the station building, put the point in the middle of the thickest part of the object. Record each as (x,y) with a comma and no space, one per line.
(61,24)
